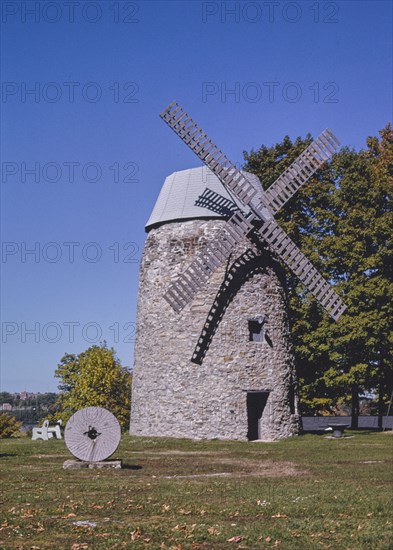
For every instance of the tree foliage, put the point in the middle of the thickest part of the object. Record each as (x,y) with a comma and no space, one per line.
(342,220)
(95,377)
(6,397)
(9,426)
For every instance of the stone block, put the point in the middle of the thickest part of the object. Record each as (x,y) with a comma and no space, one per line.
(78,464)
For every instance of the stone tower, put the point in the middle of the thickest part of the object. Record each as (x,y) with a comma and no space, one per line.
(245,386)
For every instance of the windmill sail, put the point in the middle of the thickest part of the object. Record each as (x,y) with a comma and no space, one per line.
(214,253)
(270,201)
(301,170)
(279,242)
(196,139)
(261,205)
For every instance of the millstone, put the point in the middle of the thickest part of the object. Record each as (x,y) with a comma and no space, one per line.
(92,434)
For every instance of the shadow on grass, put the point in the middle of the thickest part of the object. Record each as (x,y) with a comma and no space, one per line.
(131,467)
(5,455)
(366,431)
(362,431)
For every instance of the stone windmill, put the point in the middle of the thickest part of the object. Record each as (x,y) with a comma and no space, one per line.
(218,363)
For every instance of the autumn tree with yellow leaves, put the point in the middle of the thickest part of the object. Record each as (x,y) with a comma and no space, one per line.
(96,378)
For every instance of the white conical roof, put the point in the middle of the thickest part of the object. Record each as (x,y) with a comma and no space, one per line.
(177,197)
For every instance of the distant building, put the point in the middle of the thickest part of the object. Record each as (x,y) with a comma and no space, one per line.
(6,407)
(26,395)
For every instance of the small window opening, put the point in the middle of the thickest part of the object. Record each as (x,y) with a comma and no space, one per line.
(256,329)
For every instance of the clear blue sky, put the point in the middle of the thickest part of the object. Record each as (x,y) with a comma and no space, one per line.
(101,75)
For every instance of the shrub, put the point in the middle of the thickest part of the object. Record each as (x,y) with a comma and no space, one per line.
(9,426)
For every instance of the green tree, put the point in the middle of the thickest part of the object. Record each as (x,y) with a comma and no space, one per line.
(342,221)
(6,397)
(362,252)
(95,377)
(9,426)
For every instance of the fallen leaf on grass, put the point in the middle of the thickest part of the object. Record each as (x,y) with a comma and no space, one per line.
(185,512)
(185,527)
(136,534)
(279,515)
(234,539)
(213,531)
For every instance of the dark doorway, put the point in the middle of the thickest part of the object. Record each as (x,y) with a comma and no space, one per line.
(256,402)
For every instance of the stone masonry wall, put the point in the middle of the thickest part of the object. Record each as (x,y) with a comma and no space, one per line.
(171,396)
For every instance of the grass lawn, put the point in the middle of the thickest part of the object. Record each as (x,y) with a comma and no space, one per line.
(302,493)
